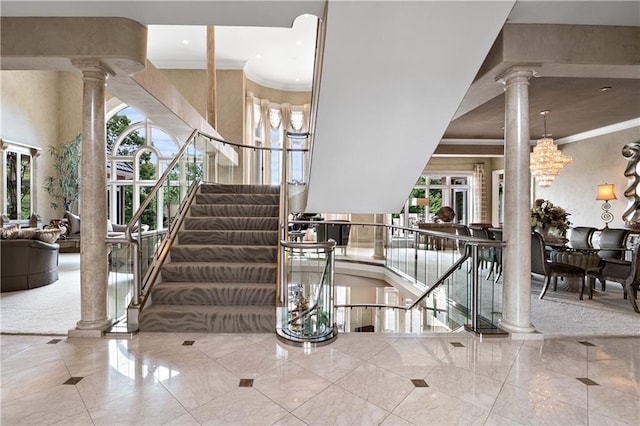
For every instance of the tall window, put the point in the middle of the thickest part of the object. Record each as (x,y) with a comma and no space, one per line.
(270,125)
(18,173)
(441,190)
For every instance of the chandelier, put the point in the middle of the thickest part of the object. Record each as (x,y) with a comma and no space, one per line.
(546,160)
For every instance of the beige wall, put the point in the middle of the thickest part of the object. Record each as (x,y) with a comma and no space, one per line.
(192,84)
(595,161)
(278,96)
(41,109)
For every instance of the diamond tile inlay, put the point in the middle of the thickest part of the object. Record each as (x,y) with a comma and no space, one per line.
(419,383)
(457,345)
(54,341)
(587,343)
(73,380)
(587,381)
(188,343)
(246,383)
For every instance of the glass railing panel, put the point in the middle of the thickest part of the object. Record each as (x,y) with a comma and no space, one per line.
(306,314)
(119,286)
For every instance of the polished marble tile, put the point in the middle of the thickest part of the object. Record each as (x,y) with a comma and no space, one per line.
(50,405)
(377,385)
(336,406)
(152,378)
(548,383)
(327,362)
(432,407)
(242,406)
(527,407)
(476,389)
(621,375)
(196,384)
(362,346)
(290,385)
(393,420)
(621,406)
(253,360)
(151,404)
(18,382)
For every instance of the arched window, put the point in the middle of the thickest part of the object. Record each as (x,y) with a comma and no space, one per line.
(138,152)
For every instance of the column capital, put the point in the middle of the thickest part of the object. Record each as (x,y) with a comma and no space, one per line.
(521,72)
(92,67)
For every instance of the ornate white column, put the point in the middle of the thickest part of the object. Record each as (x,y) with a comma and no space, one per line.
(93,203)
(516,297)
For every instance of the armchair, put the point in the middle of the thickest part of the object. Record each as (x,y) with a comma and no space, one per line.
(621,271)
(540,265)
(613,239)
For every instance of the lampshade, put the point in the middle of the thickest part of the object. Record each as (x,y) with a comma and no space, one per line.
(420,202)
(546,160)
(606,192)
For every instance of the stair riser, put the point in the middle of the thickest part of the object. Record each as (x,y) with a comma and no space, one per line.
(243,254)
(232,210)
(208,323)
(219,274)
(259,199)
(263,238)
(221,296)
(231,223)
(239,189)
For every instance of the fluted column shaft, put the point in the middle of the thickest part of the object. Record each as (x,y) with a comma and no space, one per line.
(93,202)
(516,297)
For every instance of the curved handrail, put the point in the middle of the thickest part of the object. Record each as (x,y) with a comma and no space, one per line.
(171,165)
(138,214)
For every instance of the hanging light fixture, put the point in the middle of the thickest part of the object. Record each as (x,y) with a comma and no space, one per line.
(546,159)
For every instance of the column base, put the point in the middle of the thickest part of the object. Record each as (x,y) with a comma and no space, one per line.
(518,332)
(90,328)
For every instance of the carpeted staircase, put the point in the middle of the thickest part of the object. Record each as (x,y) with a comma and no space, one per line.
(221,275)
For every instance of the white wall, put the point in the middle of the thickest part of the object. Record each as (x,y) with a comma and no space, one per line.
(595,161)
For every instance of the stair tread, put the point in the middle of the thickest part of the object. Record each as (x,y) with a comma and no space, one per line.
(202,245)
(192,308)
(213,284)
(222,263)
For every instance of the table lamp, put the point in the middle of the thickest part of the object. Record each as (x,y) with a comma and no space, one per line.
(606,193)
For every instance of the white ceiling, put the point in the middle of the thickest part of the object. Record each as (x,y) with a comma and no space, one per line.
(281,58)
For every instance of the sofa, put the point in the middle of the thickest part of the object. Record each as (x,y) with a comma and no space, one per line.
(27,264)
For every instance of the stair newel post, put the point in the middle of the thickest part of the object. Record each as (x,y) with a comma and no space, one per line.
(281,286)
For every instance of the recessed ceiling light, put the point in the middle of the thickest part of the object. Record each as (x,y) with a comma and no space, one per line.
(258,56)
(185,41)
(298,43)
(297,79)
(605,88)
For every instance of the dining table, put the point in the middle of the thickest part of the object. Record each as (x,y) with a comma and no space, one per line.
(581,255)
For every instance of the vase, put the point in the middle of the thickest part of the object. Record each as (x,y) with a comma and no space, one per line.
(551,234)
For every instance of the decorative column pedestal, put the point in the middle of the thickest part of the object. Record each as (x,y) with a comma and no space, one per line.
(516,298)
(94,271)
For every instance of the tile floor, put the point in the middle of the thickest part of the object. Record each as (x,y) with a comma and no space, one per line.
(361,378)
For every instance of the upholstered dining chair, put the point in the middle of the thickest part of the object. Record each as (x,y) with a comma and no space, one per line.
(552,270)
(486,255)
(613,239)
(581,235)
(496,234)
(621,271)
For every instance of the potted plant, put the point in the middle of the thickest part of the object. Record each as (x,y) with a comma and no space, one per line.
(65,187)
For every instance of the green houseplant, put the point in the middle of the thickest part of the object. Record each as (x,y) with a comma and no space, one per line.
(64,188)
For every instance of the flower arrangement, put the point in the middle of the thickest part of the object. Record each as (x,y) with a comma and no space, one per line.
(545,216)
